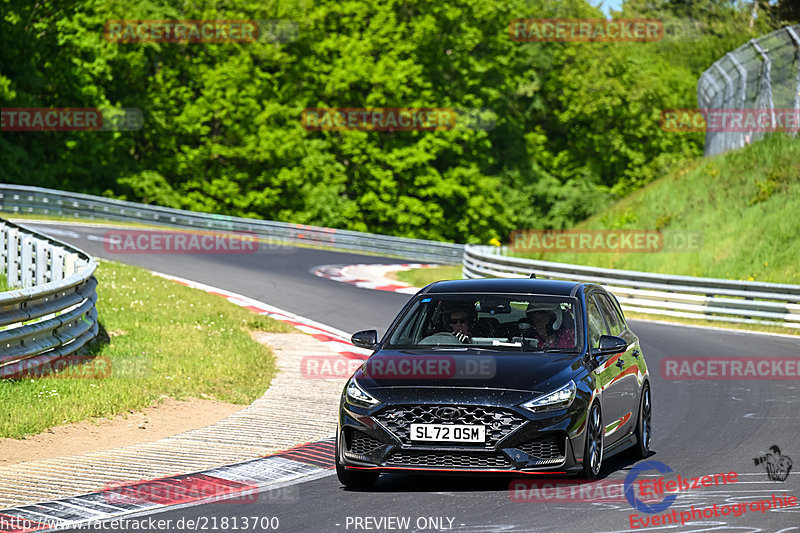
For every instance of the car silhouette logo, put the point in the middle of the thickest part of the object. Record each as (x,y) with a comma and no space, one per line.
(448,413)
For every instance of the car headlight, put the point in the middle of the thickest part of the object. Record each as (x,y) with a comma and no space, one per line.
(356,395)
(558,399)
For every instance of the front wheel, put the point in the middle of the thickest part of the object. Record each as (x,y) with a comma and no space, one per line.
(593,450)
(644,426)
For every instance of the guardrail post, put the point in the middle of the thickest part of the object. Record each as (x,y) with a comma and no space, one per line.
(4,252)
(41,262)
(27,253)
(13,276)
(713,138)
(765,82)
(70,265)
(727,137)
(742,90)
(57,265)
(796,41)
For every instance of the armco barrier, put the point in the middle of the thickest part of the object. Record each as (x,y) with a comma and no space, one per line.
(53,312)
(656,294)
(35,200)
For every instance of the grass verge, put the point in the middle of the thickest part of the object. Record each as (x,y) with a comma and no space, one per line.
(419,277)
(163,340)
(757,328)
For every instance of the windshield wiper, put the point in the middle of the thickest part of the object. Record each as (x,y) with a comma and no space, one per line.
(463,347)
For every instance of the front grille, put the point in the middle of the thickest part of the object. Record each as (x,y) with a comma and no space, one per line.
(361,443)
(411,458)
(498,422)
(550,447)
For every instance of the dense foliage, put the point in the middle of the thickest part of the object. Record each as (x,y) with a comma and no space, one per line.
(577,123)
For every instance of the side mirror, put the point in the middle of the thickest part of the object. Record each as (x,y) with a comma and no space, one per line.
(365,339)
(609,344)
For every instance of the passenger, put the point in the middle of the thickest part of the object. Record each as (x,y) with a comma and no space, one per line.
(547,328)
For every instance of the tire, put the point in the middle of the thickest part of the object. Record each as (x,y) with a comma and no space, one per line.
(354,479)
(644,425)
(593,450)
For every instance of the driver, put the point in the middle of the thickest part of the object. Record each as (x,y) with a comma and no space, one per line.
(459,321)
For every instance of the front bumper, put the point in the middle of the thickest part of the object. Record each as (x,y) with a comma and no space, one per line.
(517,442)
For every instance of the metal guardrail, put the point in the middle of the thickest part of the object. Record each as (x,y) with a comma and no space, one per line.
(762,74)
(53,313)
(656,294)
(36,200)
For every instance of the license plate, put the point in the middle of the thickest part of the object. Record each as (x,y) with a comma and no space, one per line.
(448,433)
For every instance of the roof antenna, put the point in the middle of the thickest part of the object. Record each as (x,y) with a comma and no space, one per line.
(533,275)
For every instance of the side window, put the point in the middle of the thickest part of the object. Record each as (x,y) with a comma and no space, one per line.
(620,314)
(610,314)
(596,325)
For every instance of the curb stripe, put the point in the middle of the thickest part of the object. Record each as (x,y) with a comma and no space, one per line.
(340,273)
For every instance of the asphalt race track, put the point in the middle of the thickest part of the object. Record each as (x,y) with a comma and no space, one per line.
(699,427)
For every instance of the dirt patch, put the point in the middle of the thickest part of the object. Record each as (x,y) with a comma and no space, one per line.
(165,419)
(392,275)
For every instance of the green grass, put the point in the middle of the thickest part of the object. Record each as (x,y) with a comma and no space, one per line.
(746,204)
(163,340)
(419,277)
(4,283)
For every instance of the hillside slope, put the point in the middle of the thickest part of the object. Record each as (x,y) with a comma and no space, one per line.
(746,204)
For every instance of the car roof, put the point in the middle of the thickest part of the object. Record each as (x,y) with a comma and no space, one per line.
(502,285)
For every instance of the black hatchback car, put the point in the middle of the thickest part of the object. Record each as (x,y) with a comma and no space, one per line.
(499,376)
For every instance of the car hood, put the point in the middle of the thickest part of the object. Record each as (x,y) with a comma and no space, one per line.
(511,371)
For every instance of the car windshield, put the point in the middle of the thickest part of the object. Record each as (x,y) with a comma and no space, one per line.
(512,322)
